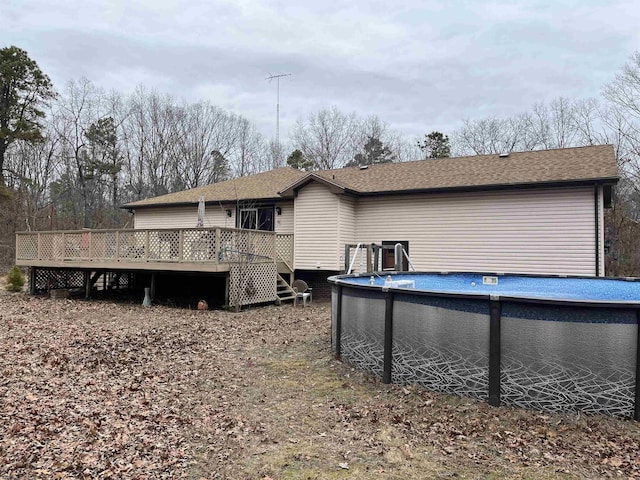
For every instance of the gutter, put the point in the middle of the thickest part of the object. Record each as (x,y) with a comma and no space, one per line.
(494,187)
(234,201)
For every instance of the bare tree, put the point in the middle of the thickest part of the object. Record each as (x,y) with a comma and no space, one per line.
(77,111)
(546,126)
(400,148)
(624,119)
(624,90)
(31,167)
(485,136)
(248,154)
(150,135)
(326,137)
(206,136)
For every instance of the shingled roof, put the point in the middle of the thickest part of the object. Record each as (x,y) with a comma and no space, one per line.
(261,186)
(580,165)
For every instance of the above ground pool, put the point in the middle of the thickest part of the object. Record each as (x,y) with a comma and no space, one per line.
(546,343)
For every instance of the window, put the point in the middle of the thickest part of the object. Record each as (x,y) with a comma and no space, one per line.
(260,218)
(388,255)
(249,218)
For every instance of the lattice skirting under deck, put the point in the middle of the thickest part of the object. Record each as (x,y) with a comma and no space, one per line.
(252,283)
(48,279)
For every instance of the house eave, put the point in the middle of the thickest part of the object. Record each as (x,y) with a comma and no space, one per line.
(493,187)
(207,203)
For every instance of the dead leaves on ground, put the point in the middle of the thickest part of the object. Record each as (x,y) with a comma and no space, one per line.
(104,390)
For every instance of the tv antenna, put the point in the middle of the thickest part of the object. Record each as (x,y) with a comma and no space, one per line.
(278,77)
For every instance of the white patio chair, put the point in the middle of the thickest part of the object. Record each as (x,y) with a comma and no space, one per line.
(302,291)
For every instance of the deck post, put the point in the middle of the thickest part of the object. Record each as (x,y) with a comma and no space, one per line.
(146,247)
(275,247)
(153,286)
(64,247)
(388,338)
(494,350)
(32,279)
(369,258)
(217,251)
(87,285)
(226,288)
(117,245)
(39,247)
(181,245)
(90,246)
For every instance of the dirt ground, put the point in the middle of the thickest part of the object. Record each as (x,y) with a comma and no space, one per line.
(104,390)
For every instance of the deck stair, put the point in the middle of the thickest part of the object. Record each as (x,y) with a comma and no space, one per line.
(284,291)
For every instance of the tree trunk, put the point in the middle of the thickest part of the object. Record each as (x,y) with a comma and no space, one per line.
(3,150)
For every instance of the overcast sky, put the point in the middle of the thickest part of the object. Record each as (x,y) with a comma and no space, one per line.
(420,65)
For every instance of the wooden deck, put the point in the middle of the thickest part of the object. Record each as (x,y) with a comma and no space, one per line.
(180,250)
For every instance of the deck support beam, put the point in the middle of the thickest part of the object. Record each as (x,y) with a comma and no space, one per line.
(87,285)
(95,277)
(32,280)
(227,280)
(153,286)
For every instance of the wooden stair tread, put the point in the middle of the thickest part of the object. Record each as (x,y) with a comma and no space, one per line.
(284,291)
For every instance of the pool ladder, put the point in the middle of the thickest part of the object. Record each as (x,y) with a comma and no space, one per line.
(372,254)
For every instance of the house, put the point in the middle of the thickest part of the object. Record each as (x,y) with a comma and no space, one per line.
(538,212)
(527,212)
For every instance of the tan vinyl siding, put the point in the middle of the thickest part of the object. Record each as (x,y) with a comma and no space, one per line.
(184,217)
(346,224)
(525,231)
(316,228)
(284,222)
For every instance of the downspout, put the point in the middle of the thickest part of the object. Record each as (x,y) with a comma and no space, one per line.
(597,214)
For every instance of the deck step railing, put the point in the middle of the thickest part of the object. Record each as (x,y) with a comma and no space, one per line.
(198,245)
(284,249)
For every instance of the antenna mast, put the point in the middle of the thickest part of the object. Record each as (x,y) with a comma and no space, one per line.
(277,77)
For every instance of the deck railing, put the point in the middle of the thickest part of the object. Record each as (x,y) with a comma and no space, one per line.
(284,248)
(200,245)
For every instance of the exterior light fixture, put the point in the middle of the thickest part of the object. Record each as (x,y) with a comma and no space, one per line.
(228,213)
(279,210)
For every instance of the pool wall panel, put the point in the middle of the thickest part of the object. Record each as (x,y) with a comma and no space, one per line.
(561,359)
(441,344)
(362,337)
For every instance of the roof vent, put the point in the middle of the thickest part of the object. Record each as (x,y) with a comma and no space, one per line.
(504,155)
(364,167)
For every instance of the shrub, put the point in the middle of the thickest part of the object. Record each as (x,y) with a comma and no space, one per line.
(15,280)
